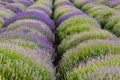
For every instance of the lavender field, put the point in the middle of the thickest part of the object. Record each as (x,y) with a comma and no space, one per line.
(59,39)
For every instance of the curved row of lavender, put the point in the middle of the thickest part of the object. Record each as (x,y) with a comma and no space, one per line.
(106,16)
(26,47)
(84,45)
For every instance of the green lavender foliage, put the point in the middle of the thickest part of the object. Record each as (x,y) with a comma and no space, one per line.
(85,51)
(76,24)
(75,39)
(102,68)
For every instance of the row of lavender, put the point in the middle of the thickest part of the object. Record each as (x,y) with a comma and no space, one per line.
(26,47)
(87,52)
(9,8)
(111,3)
(106,16)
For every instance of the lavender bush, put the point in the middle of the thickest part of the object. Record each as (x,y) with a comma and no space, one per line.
(28,64)
(75,39)
(40,41)
(107,68)
(32,14)
(62,10)
(76,24)
(42,7)
(69,15)
(34,26)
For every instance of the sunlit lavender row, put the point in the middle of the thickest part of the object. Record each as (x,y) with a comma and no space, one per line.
(82,38)
(26,45)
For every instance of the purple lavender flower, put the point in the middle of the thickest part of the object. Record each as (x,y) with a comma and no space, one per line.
(5,19)
(26,30)
(32,14)
(14,9)
(68,15)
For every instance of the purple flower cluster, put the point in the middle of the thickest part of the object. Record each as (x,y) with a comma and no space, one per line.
(35,24)
(31,15)
(28,36)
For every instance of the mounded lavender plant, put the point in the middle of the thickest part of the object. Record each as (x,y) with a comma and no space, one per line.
(34,26)
(68,15)
(62,10)
(76,24)
(88,6)
(42,7)
(63,3)
(105,68)
(80,3)
(45,2)
(21,63)
(75,39)
(32,14)
(101,14)
(40,41)
(37,11)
